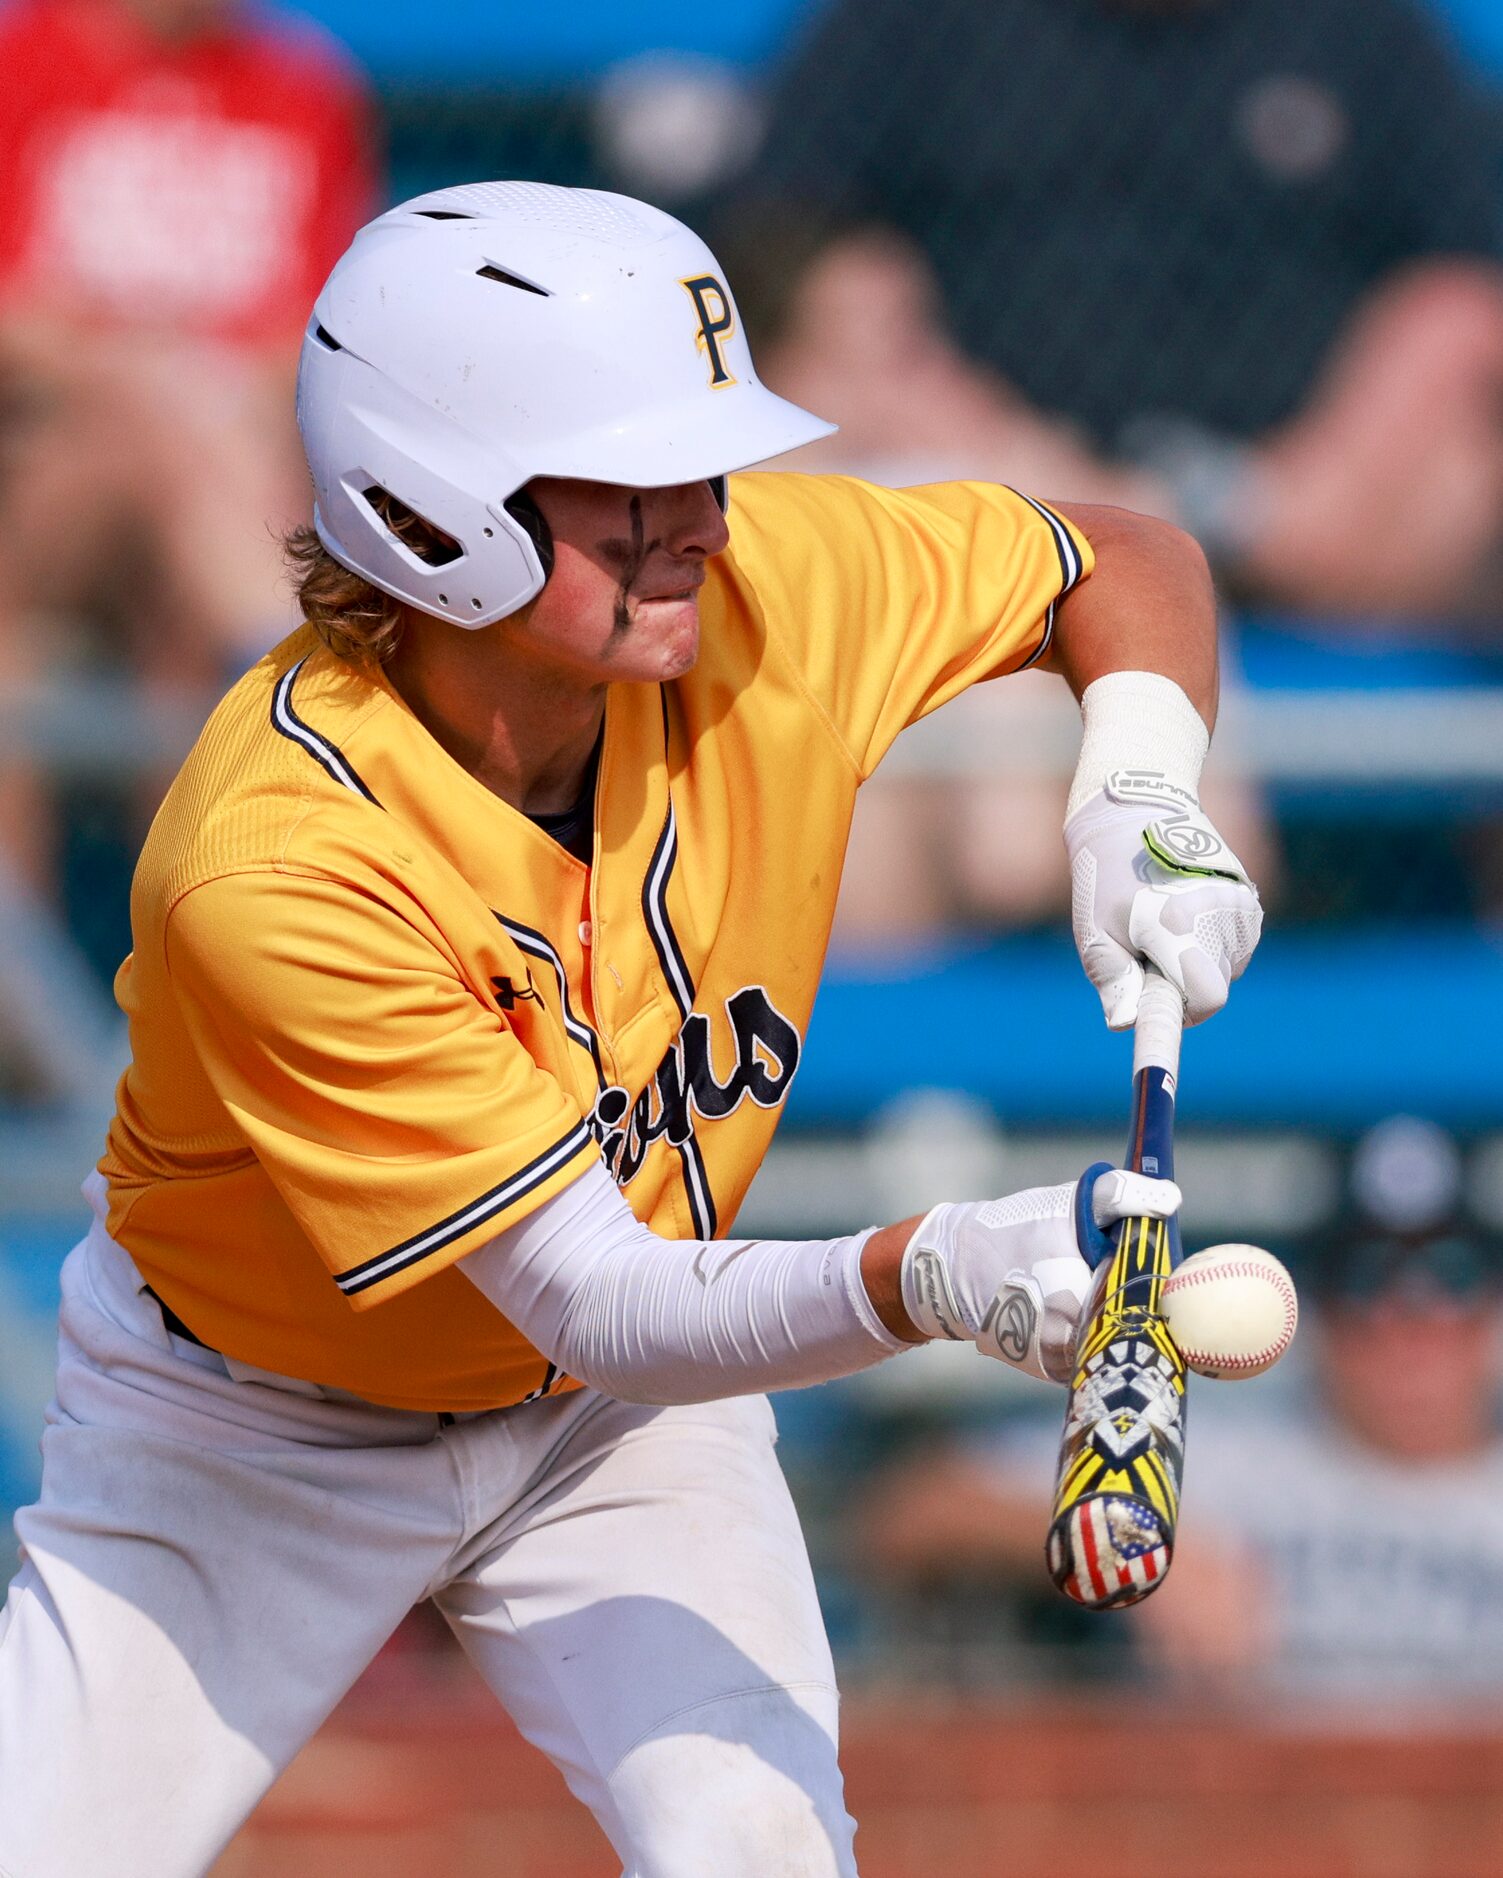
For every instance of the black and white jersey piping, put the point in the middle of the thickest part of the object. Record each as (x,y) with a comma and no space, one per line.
(527,939)
(1071,567)
(327,755)
(423,1245)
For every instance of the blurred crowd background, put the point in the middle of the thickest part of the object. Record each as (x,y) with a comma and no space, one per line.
(1238,263)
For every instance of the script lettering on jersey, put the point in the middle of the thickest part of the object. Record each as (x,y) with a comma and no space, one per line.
(685,1085)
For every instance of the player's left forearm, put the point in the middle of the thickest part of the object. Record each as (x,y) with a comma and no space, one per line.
(1152,880)
(1148,607)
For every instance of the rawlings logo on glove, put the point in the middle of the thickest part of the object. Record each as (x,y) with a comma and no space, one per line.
(1188,845)
(1184,839)
(1171,892)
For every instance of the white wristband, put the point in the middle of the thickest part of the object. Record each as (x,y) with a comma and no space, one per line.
(1138,720)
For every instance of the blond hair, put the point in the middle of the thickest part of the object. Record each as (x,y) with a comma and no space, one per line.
(354,618)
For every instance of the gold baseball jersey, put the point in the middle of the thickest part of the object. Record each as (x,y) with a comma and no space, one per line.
(377,1014)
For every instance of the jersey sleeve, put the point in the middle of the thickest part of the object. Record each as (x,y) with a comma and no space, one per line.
(398,1117)
(892,601)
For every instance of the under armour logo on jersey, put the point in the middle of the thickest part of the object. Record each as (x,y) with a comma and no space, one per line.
(508,996)
(717,321)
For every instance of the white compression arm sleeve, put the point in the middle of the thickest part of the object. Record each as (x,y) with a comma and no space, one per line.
(646,1319)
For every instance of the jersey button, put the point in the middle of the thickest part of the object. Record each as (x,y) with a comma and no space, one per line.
(586,933)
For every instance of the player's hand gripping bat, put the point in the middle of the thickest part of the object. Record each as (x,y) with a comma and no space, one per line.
(1116,1496)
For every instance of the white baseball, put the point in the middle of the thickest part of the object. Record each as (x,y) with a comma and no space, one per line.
(1232,1311)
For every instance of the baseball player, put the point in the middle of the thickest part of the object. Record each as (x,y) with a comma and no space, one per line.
(474,951)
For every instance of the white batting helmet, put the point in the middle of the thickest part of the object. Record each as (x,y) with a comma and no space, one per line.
(474,338)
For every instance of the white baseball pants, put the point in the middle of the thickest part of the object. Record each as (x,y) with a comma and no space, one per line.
(216,1556)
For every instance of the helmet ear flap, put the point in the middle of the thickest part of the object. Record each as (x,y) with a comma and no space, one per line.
(534,524)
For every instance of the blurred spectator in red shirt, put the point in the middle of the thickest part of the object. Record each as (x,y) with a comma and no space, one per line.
(171,166)
(179,176)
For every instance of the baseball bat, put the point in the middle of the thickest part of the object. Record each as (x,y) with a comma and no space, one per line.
(1116,1498)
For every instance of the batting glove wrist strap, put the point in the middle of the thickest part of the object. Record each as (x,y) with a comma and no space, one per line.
(1012,1275)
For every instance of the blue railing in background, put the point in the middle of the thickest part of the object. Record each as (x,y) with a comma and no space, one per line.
(468,42)
(1327,1031)
(471,43)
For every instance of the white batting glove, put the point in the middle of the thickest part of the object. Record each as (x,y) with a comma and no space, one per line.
(1151,879)
(1012,1275)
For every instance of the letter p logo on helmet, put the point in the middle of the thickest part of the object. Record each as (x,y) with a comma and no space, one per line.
(717,321)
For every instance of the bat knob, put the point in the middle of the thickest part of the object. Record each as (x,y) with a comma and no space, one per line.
(1109,1550)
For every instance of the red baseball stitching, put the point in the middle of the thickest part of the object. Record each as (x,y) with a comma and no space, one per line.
(1242,1268)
